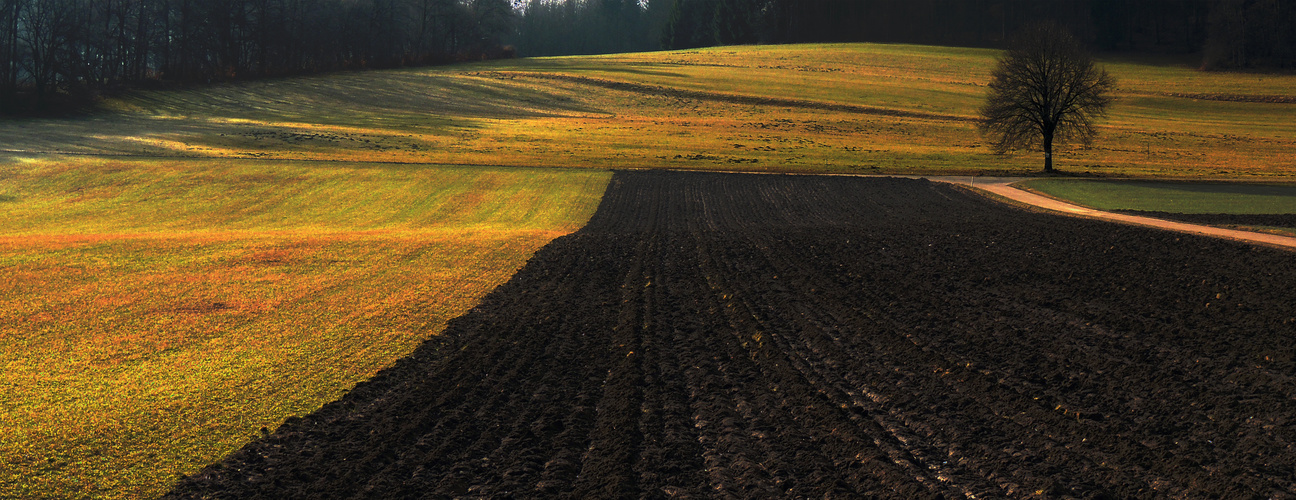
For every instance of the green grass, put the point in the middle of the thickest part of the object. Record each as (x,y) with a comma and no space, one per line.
(1166,121)
(1175,197)
(185,196)
(154,316)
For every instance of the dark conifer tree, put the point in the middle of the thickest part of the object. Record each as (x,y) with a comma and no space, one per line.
(57,50)
(680,26)
(732,22)
(1251,33)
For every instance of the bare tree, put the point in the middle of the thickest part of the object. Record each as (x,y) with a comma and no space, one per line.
(1045,88)
(43,32)
(8,50)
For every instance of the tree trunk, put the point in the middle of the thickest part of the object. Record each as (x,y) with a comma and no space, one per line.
(11,59)
(1048,153)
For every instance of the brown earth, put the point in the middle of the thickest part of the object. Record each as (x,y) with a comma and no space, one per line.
(758,336)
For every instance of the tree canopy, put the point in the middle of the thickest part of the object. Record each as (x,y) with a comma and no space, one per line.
(1044,89)
(60,47)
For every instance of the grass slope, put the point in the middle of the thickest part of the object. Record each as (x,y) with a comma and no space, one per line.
(815,108)
(154,316)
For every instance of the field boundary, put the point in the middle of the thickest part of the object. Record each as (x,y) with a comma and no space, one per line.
(999,189)
(1002,188)
(998,186)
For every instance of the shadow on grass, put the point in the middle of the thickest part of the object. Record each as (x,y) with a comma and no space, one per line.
(579,65)
(262,114)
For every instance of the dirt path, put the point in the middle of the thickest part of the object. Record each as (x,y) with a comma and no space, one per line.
(770,336)
(1001,186)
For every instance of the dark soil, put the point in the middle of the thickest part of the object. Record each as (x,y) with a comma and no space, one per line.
(758,336)
(1275,220)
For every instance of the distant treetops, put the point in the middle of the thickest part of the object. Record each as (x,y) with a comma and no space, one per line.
(54,49)
(699,23)
(1226,33)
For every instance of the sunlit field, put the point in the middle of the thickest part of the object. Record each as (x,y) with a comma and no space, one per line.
(155,316)
(860,108)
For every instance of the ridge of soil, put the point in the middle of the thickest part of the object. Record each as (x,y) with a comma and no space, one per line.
(1276,220)
(753,336)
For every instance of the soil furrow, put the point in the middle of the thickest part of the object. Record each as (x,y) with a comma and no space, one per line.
(756,336)
(889,440)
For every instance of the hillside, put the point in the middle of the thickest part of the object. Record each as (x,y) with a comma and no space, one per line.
(810,108)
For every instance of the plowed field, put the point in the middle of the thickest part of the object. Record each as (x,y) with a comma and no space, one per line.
(753,336)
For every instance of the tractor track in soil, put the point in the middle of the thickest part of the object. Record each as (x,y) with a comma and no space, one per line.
(756,336)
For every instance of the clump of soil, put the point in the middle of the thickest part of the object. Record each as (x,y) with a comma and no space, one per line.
(758,336)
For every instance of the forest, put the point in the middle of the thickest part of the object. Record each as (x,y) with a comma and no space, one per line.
(64,49)
(1226,33)
(72,49)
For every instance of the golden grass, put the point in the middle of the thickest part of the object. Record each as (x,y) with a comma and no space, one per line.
(768,108)
(155,316)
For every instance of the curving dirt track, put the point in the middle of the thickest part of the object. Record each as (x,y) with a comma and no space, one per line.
(756,336)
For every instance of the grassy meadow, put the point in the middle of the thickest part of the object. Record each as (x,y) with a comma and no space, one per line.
(858,108)
(186,267)
(1177,197)
(154,316)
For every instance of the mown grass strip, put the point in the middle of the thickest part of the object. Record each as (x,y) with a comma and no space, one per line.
(1175,197)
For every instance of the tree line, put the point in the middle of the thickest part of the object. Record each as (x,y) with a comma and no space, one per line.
(61,49)
(567,27)
(1228,33)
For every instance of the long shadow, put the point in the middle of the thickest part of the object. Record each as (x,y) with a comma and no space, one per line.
(196,118)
